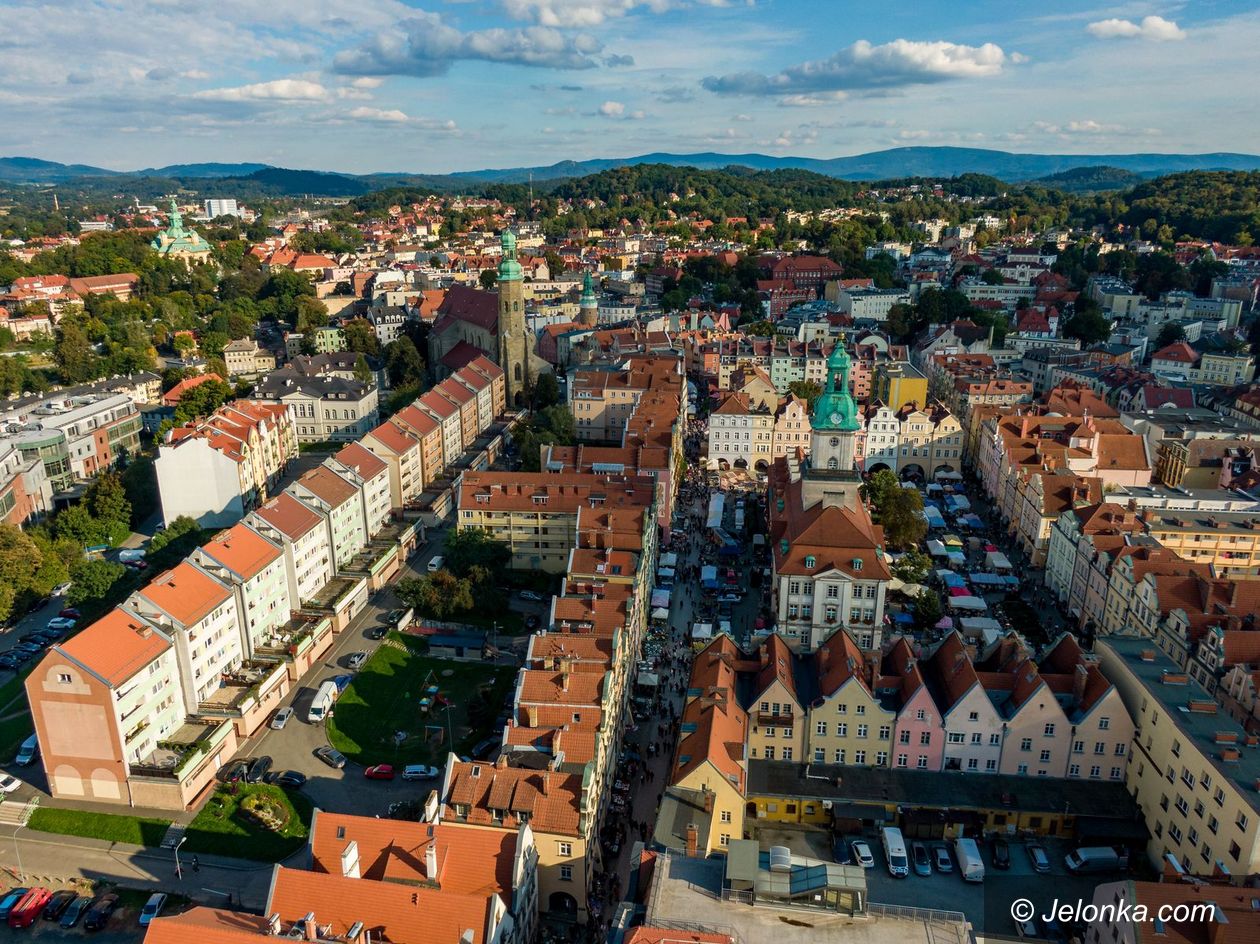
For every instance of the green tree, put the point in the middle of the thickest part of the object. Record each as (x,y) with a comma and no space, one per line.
(807,390)
(913,567)
(76,360)
(927,608)
(362,372)
(546,392)
(488,278)
(440,594)
(880,486)
(93,580)
(1170,333)
(1088,324)
(361,337)
(471,548)
(51,568)
(19,559)
(309,313)
(106,498)
(77,524)
(403,362)
(761,329)
(992,277)
(201,400)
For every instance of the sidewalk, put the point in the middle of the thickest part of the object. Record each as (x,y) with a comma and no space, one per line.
(52,859)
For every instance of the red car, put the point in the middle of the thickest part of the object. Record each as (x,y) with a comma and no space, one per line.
(380,772)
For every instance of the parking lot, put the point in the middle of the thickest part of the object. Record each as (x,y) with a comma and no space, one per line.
(986,904)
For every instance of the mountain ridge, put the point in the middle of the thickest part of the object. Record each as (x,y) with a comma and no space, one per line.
(939,162)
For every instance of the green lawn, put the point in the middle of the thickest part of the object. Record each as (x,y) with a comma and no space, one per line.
(223,828)
(13,731)
(109,826)
(384,699)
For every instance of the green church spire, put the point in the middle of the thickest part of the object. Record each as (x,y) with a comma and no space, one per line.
(509,269)
(835,409)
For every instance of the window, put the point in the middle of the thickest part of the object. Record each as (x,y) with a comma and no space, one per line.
(1121,750)
(769,753)
(821,728)
(861,730)
(1242,821)
(1104,724)
(564,848)
(842,730)
(787,753)
(1213,824)
(925,738)
(860,709)
(956,737)
(859,757)
(973,716)
(725,839)
(903,737)
(1025,744)
(820,756)
(566,873)
(1078,747)
(922,762)
(973,764)
(1074,770)
(1234,851)
(1095,771)
(1182,806)
(770,732)
(726,816)
(839,755)
(63,678)
(976,738)
(1045,757)
(1049,730)
(920,715)
(881,759)
(885,732)
(842,709)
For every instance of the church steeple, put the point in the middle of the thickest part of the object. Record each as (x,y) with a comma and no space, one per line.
(834,420)
(588,304)
(514,344)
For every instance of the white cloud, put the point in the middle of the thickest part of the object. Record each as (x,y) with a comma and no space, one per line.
(741,117)
(866,67)
(1153,28)
(367,82)
(288,90)
(423,45)
(581,13)
(392,115)
(612,109)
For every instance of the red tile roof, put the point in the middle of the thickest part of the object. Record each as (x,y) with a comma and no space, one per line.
(186,594)
(116,646)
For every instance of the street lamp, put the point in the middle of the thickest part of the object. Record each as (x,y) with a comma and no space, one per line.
(17,850)
(179,872)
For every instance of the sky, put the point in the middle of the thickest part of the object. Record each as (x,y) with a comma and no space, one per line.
(432,86)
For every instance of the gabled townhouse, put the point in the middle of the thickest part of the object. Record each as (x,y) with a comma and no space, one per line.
(1101,729)
(1035,741)
(776,713)
(881,442)
(399,449)
(307,546)
(848,722)
(201,616)
(465,402)
(1123,612)
(493,373)
(416,422)
(709,773)
(446,414)
(973,727)
(254,568)
(482,388)
(498,797)
(367,473)
(114,686)
(340,504)
(919,732)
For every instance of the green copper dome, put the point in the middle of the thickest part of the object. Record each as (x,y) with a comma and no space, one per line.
(835,409)
(588,299)
(509,269)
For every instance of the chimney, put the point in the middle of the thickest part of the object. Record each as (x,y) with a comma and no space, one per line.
(1080,676)
(693,841)
(273,924)
(430,861)
(501,761)
(708,801)
(309,929)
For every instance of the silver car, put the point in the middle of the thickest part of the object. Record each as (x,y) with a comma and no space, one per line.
(282,718)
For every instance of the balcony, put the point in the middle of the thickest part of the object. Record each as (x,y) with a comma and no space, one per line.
(294,637)
(782,719)
(183,748)
(241,688)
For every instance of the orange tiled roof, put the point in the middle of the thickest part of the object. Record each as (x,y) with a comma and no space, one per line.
(288,516)
(185,593)
(551,799)
(116,646)
(242,550)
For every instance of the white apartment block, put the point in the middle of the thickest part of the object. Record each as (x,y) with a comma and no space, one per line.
(338,502)
(370,476)
(307,547)
(254,568)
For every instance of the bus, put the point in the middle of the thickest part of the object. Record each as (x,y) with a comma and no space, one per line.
(895,852)
(322,704)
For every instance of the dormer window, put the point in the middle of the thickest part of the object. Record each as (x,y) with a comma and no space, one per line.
(857,563)
(811,561)
(476,770)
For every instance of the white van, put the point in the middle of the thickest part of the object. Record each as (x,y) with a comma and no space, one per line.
(436,563)
(970,865)
(321,705)
(895,852)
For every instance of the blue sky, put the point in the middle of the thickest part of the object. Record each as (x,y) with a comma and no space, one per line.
(441,85)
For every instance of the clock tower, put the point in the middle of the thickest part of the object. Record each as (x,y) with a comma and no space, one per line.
(832,476)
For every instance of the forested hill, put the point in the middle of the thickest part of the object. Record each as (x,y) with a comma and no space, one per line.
(1224,205)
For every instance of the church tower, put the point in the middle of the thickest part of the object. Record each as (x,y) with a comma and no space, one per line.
(588,304)
(513,346)
(832,476)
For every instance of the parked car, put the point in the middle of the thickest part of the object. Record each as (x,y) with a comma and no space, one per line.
(485,747)
(342,682)
(356,660)
(51,633)
(58,904)
(862,853)
(61,622)
(281,718)
(290,779)
(840,850)
(9,783)
(1001,853)
(233,771)
(532,596)
(100,911)
(1037,856)
(9,900)
(70,612)
(10,661)
(29,907)
(393,617)
(379,772)
(74,911)
(420,772)
(436,564)
(136,564)
(331,757)
(258,769)
(379,631)
(941,858)
(62,589)
(28,752)
(919,856)
(152,908)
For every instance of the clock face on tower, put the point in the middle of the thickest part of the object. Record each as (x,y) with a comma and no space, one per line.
(835,419)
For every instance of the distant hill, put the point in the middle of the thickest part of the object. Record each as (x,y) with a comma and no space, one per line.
(1087,179)
(33,170)
(201,170)
(1087,171)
